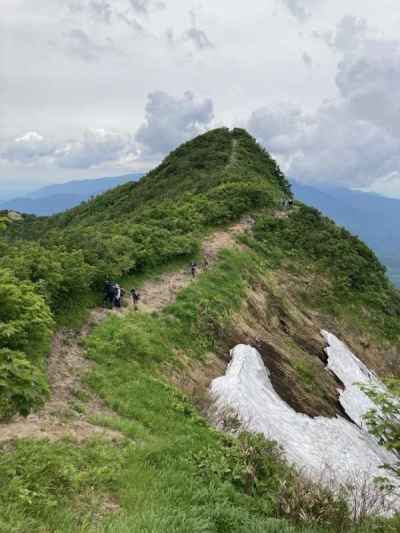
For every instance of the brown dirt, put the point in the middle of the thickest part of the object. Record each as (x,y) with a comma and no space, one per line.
(59,418)
(157,294)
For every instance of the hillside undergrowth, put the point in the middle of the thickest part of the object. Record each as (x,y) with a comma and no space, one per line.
(171,471)
(137,227)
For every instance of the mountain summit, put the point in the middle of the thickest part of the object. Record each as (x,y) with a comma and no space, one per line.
(256,315)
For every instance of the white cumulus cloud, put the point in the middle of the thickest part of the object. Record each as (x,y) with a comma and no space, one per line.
(353,140)
(171,121)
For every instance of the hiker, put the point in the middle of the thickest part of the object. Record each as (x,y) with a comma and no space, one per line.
(193,269)
(108,293)
(290,203)
(206,263)
(117,296)
(135,298)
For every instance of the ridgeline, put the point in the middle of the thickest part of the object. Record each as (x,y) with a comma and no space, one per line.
(118,435)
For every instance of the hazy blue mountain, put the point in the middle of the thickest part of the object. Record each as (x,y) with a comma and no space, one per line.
(374,218)
(59,197)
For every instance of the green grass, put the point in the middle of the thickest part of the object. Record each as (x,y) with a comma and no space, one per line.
(172,472)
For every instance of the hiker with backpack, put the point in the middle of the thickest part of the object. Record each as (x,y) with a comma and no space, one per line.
(135,298)
(117,300)
(108,293)
(193,269)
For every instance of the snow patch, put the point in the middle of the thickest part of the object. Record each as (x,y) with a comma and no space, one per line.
(320,445)
(352,373)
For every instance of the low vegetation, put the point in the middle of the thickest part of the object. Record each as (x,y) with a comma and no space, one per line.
(348,281)
(210,181)
(170,471)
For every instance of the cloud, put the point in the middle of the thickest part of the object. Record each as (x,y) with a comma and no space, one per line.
(144,7)
(297,9)
(79,44)
(95,147)
(194,36)
(350,32)
(27,148)
(354,139)
(102,10)
(307,60)
(171,121)
(300,9)
(197,36)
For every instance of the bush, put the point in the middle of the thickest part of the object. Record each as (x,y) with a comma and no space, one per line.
(22,385)
(25,331)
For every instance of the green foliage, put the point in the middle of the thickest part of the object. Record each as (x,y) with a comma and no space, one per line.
(25,331)
(251,463)
(22,384)
(147,223)
(353,265)
(25,320)
(57,483)
(352,276)
(59,275)
(384,422)
(65,259)
(180,475)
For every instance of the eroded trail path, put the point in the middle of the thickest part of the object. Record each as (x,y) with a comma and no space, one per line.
(61,416)
(157,294)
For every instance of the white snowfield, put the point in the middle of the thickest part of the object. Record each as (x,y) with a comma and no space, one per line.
(351,372)
(321,447)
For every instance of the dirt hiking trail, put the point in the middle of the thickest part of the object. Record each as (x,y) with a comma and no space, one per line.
(157,294)
(63,416)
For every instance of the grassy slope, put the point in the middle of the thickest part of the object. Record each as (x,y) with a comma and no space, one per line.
(128,232)
(175,473)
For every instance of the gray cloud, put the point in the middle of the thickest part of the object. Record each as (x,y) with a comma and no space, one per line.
(197,36)
(354,139)
(80,44)
(297,9)
(171,121)
(27,148)
(96,146)
(145,6)
(102,10)
(350,32)
(194,35)
(307,59)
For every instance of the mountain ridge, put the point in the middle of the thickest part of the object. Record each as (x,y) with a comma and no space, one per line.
(373,217)
(145,373)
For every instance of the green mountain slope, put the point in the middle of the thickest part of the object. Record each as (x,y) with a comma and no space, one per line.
(275,278)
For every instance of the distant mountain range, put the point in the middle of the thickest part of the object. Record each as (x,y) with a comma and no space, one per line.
(59,197)
(374,218)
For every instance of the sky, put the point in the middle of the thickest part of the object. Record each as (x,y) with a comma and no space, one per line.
(92,88)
